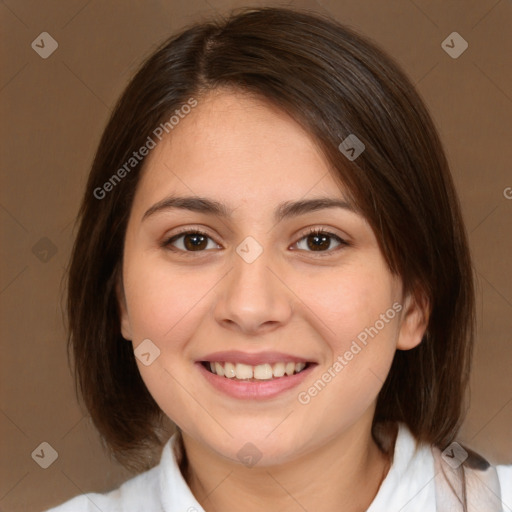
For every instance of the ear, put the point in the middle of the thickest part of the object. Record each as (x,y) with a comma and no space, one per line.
(126,329)
(414,321)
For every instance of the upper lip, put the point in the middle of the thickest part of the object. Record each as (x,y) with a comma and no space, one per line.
(253,359)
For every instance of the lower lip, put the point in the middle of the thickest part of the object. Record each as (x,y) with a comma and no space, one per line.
(250,390)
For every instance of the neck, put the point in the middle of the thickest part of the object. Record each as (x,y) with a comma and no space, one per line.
(346,472)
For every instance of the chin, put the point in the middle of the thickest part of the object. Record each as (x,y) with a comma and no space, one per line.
(252,446)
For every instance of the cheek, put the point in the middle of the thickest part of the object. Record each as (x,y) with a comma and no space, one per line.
(164,305)
(360,328)
(348,302)
(348,384)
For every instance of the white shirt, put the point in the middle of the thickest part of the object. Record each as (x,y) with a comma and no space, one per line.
(408,487)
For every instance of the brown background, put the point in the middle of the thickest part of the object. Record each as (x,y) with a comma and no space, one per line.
(53,112)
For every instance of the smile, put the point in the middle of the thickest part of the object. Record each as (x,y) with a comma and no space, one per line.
(246,372)
(252,377)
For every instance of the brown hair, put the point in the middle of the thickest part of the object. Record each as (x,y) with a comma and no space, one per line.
(334,82)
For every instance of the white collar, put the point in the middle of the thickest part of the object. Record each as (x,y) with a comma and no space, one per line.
(175,492)
(409,485)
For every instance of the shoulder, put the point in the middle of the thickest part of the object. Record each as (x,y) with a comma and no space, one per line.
(462,472)
(160,488)
(422,477)
(133,495)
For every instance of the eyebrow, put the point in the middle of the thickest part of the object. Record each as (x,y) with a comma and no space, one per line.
(284,210)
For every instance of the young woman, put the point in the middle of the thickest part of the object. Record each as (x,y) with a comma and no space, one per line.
(271,255)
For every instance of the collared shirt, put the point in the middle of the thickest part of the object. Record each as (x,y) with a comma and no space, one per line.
(409,486)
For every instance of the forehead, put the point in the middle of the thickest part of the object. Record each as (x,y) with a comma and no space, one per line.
(237,148)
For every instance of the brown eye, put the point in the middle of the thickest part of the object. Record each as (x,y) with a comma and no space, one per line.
(193,241)
(320,241)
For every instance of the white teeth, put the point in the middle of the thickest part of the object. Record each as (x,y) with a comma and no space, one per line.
(219,370)
(278,369)
(243,371)
(229,370)
(261,371)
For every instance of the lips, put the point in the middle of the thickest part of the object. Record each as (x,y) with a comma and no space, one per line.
(260,375)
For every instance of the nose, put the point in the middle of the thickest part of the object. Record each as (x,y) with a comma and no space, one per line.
(253,297)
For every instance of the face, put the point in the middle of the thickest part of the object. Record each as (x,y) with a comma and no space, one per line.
(304,325)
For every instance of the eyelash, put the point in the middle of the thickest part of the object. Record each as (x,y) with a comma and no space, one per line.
(166,244)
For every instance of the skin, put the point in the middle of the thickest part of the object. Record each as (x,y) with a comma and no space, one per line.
(251,156)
